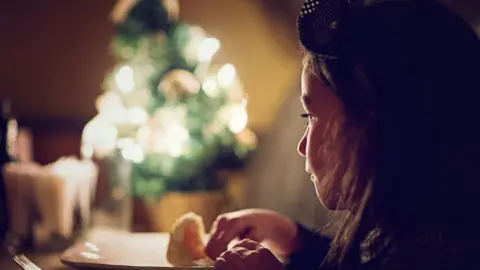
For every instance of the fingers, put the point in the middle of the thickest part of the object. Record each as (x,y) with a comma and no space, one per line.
(231,259)
(247,244)
(247,255)
(240,257)
(249,233)
(216,245)
(224,231)
(233,231)
(254,252)
(222,264)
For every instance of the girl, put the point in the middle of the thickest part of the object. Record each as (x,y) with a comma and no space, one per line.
(389,90)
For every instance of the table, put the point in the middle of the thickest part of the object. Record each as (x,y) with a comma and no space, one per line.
(142,248)
(51,261)
(45,261)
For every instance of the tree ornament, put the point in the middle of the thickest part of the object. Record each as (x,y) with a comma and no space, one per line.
(123,7)
(173,9)
(121,10)
(177,83)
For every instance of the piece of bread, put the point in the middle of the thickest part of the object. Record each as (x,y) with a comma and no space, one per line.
(185,246)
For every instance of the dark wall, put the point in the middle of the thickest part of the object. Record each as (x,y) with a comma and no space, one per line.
(54,55)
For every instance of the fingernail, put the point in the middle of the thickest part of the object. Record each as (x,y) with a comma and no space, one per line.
(220,235)
(219,262)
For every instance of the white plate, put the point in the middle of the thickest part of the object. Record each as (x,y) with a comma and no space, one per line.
(145,251)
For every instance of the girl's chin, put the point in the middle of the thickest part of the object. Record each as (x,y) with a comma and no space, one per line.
(328,198)
(328,202)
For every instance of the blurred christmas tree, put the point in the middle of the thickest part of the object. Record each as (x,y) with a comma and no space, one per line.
(166,108)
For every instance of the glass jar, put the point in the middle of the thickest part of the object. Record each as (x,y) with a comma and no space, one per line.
(114,210)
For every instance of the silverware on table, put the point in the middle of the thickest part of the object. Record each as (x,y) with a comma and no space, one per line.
(24,262)
(12,247)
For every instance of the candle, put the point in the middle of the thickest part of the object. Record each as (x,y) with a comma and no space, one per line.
(54,191)
(20,143)
(55,201)
(62,187)
(19,186)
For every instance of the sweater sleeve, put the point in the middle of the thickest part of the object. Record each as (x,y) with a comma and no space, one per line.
(421,254)
(313,249)
(421,250)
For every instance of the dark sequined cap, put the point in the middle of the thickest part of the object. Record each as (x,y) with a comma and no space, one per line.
(318,21)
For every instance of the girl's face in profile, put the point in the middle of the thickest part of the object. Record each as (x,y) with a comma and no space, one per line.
(320,144)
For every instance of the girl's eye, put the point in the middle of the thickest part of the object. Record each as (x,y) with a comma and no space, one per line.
(306,116)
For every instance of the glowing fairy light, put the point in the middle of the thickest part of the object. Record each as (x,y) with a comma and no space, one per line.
(207,48)
(210,88)
(124,79)
(226,75)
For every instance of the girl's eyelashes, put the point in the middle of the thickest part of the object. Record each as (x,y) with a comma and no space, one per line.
(306,116)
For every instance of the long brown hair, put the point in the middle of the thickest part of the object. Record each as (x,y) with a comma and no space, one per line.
(407,74)
(356,150)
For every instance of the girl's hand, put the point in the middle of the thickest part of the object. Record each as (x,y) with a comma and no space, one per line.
(260,225)
(248,255)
